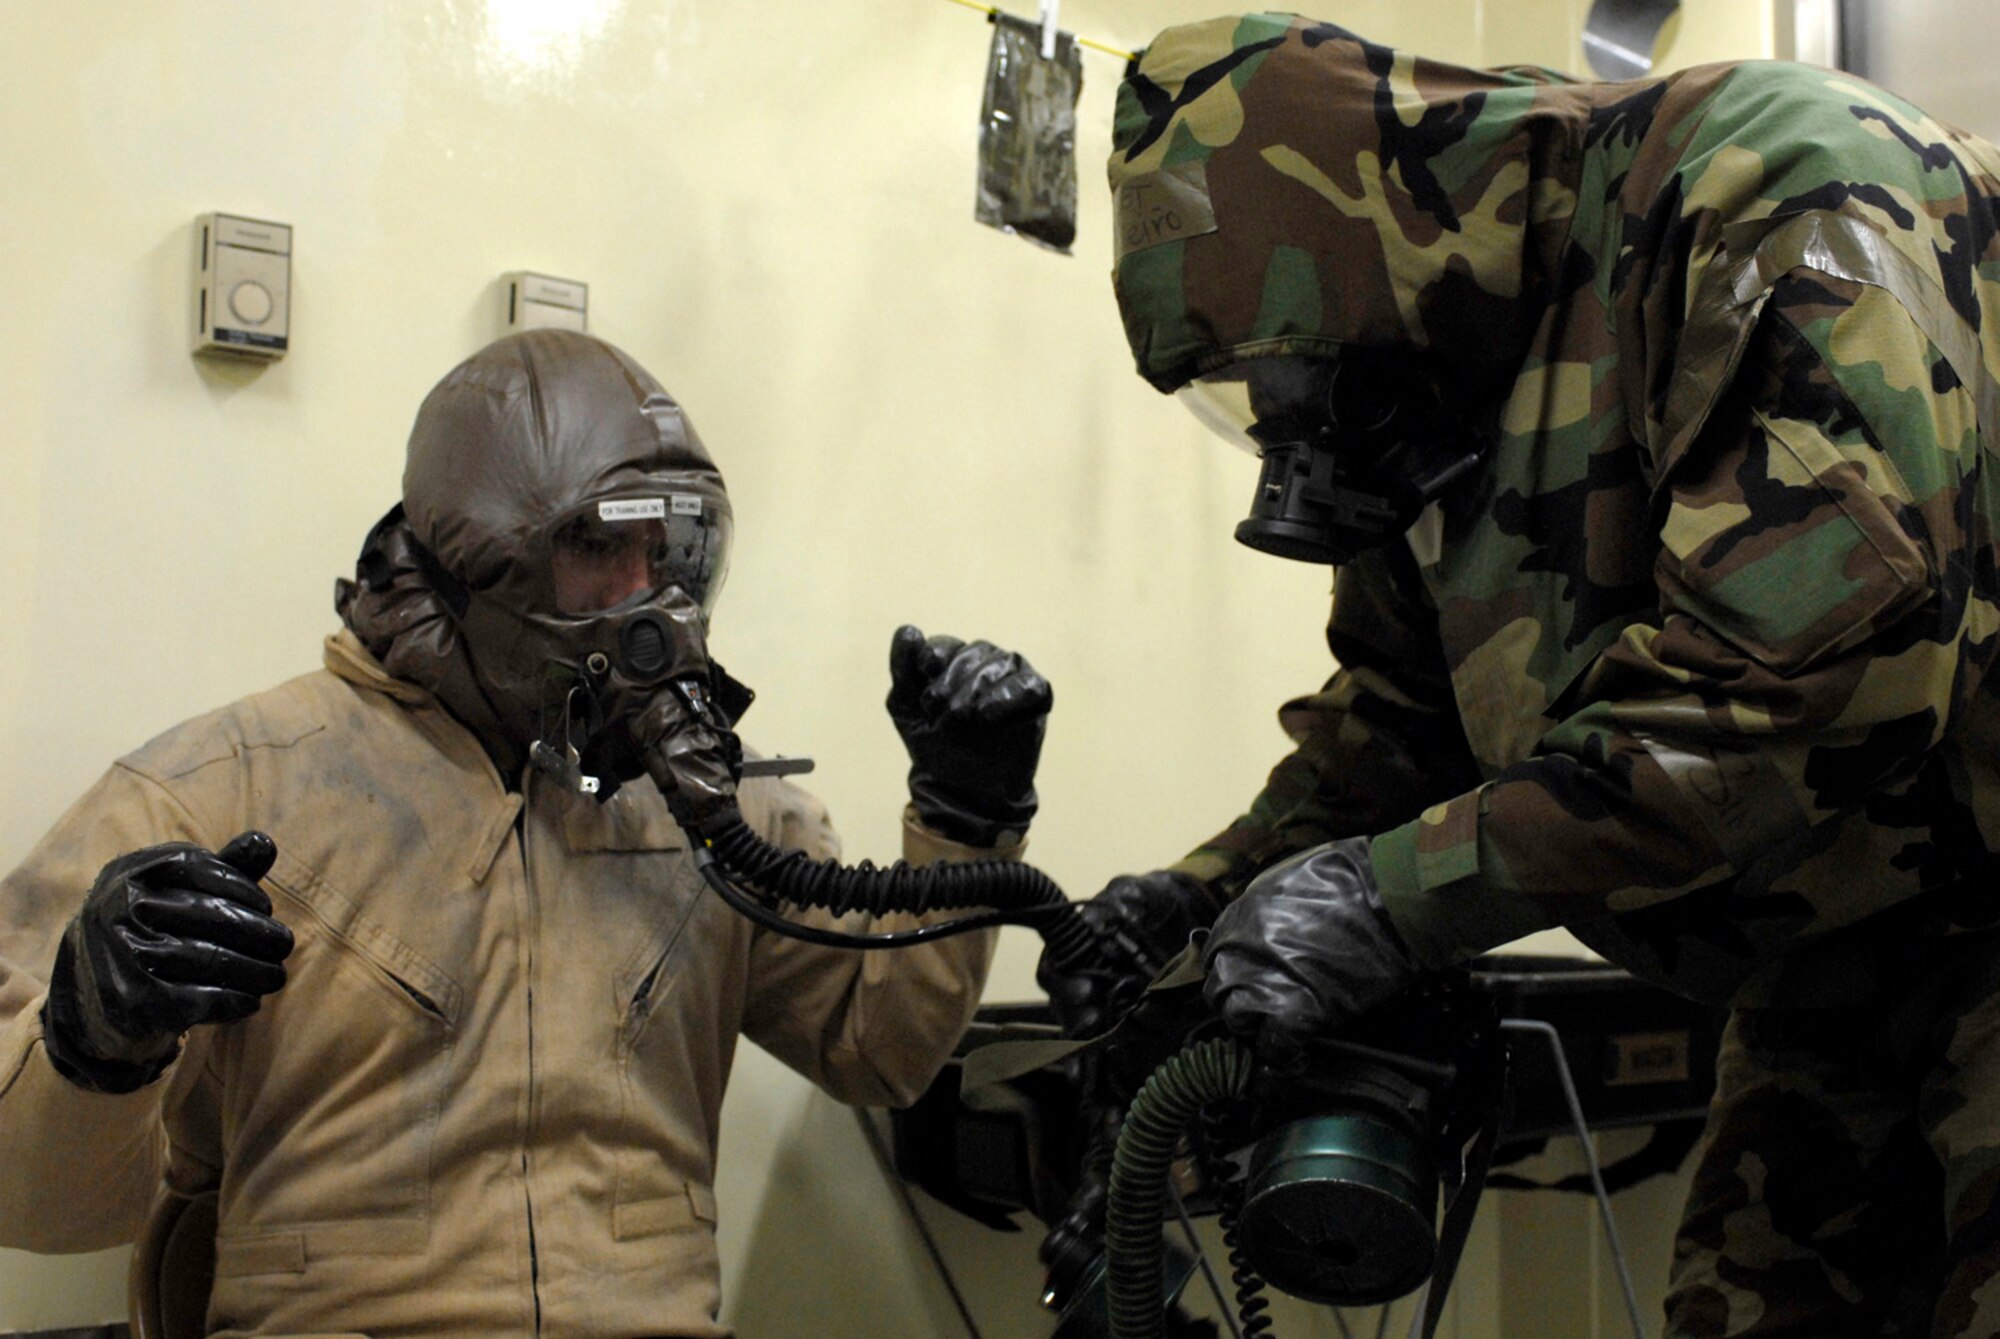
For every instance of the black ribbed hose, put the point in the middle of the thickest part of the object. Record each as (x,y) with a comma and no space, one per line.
(1206,1072)
(1019,894)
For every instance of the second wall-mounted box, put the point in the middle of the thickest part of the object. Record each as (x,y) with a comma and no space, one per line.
(243,286)
(538,300)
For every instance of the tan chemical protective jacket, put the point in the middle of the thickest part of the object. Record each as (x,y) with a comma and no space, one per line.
(487,1100)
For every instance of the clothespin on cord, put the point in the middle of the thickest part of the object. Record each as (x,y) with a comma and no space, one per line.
(1050,28)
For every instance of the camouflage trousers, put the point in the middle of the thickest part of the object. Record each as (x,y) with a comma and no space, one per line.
(1847,1181)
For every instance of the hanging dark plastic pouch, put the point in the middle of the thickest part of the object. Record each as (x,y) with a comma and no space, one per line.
(1027,135)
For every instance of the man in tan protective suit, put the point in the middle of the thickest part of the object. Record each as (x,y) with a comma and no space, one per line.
(450,1042)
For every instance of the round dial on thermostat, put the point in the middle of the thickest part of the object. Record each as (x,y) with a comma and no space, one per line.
(251,302)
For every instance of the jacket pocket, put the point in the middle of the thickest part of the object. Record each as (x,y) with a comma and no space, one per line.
(678,1211)
(653,974)
(248,1254)
(1800,561)
(332,1092)
(680,1011)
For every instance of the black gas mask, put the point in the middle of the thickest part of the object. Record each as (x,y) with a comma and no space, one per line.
(632,583)
(1354,446)
(602,619)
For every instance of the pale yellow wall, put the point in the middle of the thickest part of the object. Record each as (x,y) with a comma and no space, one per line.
(1920,47)
(920,419)
(1550,32)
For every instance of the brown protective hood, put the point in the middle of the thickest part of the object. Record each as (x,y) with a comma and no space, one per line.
(526,430)
(392,609)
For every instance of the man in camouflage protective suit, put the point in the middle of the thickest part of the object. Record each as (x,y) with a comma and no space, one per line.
(1692,661)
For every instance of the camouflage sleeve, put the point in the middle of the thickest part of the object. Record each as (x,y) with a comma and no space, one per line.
(1719,775)
(1538,74)
(1376,745)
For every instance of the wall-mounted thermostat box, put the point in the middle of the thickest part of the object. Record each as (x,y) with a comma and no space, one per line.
(536,300)
(243,286)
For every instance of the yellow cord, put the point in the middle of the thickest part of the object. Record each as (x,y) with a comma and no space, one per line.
(989,11)
(1107,50)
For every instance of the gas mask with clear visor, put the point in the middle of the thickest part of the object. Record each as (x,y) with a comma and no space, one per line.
(1354,446)
(608,603)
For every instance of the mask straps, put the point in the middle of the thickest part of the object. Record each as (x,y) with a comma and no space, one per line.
(565,765)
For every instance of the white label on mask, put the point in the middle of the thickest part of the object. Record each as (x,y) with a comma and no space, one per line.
(687,504)
(634,509)
(1426,536)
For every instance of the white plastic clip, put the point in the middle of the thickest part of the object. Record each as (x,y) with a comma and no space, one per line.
(1050,11)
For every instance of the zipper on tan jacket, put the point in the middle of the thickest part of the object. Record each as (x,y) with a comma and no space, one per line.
(530,940)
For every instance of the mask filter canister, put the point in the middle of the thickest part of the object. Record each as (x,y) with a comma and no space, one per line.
(1340,1209)
(1352,447)
(1302,512)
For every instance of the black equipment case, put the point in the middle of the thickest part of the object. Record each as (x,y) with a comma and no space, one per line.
(1637,1054)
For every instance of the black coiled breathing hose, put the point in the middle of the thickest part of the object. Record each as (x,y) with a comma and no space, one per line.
(1251,1303)
(1203,1073)
(732,854)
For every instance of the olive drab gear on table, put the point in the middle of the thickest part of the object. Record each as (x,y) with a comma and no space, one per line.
(1695,663)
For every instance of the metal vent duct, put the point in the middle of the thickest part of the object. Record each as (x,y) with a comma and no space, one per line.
(1619,35)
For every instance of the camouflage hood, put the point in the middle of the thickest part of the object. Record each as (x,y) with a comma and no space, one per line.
(529,428)
(1283,185)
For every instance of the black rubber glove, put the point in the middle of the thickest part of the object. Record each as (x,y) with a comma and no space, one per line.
(971,716)
(1305,949)
(169,936)
(1140,921)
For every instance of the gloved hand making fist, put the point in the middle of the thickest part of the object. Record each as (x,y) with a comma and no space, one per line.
(169,937)
(1140,922)
(971,716)
(1307,948)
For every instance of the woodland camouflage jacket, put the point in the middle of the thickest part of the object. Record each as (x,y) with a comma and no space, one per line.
(1699,668)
